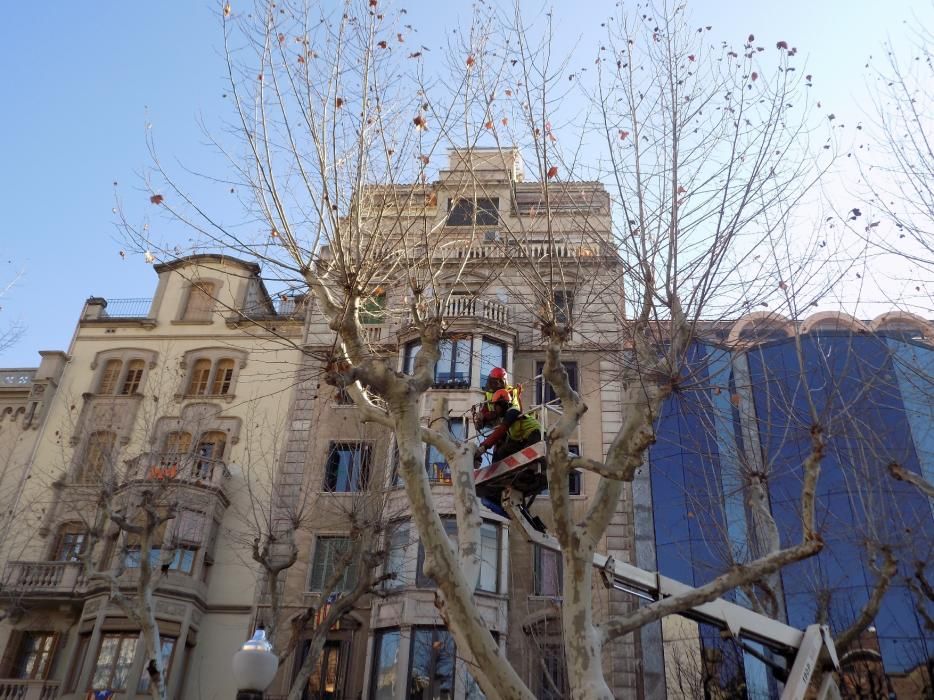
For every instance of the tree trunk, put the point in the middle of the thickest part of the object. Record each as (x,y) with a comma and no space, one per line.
(496,676)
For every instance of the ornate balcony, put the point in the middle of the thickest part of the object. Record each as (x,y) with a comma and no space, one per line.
(168,469)
(28,690)
(462,306)
(524,252)
(43,579)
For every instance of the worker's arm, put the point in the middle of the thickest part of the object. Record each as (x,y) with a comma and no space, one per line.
(512,415)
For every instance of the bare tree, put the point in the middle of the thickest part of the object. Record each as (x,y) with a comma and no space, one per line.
(134,500)
(146,514)
(10,332)
(276,523)
(897,161)
(706,150)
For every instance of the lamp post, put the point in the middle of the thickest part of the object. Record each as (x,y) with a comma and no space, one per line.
(254,667)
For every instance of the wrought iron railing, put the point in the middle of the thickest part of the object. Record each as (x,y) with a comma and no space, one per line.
(127,308)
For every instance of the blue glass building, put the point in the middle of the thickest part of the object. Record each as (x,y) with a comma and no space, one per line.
(742,416)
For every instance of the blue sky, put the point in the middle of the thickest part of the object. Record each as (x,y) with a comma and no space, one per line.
(83,79)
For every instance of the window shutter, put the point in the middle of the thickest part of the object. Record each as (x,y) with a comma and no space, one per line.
(10,653)
(189,527)
(200,301)
(53,650)
(109,377)
(134,375)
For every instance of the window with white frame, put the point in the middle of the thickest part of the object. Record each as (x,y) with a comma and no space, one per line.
(454,360)
(34,655)
(71,542)
(452,370)
(564,306)
(553,677)
(490,552)
(544,392)
(574,476)
(132,378)
(546,572)
(348,467)
(332,558)
(167,645)
(492,354)
(114,659)
(397,549)
(179,553)
(209,454)
(385,664)
(432,663)
(437,465)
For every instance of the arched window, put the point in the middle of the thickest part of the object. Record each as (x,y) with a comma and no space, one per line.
(200,374)
(177,443)
(109,377)
(223,377)
(134,375)
(97,455)
(200,304)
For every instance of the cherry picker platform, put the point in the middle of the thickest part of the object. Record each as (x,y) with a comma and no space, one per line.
(523,471)
(803,649)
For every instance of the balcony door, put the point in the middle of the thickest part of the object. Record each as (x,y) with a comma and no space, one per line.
(210,451)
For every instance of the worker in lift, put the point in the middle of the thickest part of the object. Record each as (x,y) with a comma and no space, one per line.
(514,429)
(496,380)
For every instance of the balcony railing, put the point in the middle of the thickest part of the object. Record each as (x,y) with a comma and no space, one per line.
(524,252)
(293,307)
(471,307)
(373,334)
(175,468)
(43,578)
(28,690)
(126,308)
(16,378)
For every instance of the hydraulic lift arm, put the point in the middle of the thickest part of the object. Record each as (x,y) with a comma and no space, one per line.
(806,646)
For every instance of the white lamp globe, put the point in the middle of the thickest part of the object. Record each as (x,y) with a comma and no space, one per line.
(254,666)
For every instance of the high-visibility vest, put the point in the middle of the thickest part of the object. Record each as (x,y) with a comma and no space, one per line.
(514,392)
(522,428)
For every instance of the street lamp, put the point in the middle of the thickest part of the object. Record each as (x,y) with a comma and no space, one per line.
(254,667)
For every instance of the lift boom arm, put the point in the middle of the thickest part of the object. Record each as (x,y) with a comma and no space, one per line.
(806,645)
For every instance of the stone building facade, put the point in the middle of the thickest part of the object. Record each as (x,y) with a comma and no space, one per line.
(212,394)
(489,255)
(178,396)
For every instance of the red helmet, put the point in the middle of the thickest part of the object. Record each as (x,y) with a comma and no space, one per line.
(501,395)
(498,373)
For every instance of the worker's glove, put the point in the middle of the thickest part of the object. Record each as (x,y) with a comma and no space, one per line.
(498,432)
